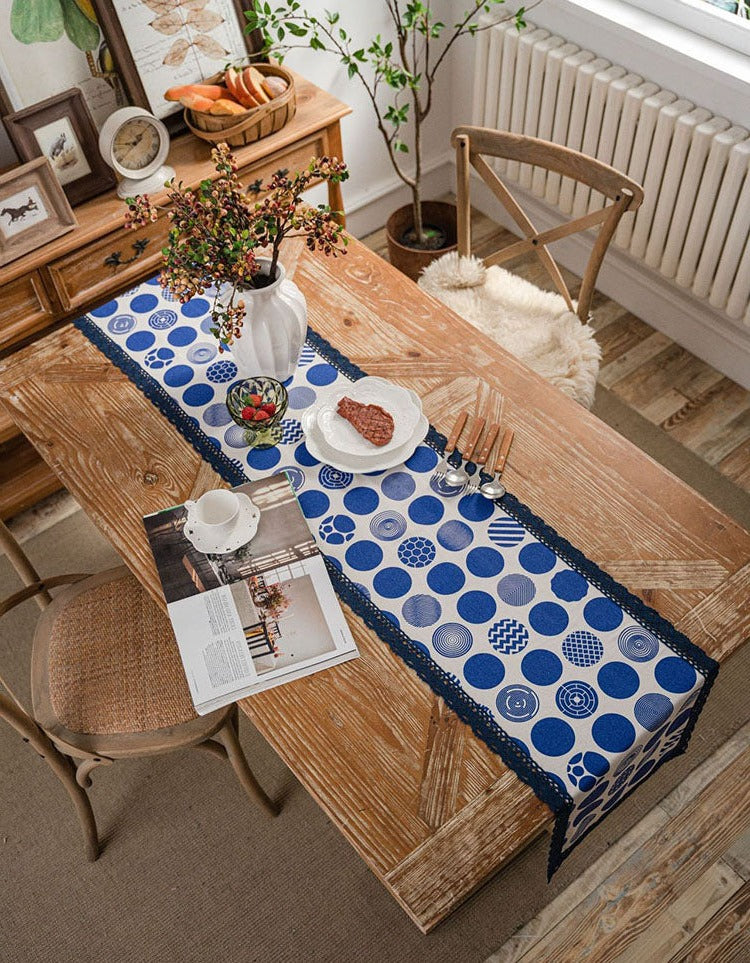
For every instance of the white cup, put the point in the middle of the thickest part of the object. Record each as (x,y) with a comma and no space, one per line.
(215,512)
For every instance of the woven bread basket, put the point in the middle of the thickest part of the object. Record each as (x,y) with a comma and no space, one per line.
(240,129)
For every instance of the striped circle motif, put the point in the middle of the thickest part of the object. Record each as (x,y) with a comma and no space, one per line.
(334,478)
(452,640)
(517,703)
(582,648)
(577,700)
(637,644)
(516,589)
(307,356)
(506,532)
(508,636)
(652,710)
(388,526)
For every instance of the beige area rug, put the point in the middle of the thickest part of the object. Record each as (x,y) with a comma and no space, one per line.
(191,872)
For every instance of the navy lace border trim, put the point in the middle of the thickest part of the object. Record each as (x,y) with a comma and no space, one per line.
(477,717)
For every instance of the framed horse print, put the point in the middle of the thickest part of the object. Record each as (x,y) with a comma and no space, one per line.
(33,209)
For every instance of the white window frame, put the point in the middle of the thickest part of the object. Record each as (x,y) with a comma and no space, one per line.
(703,19)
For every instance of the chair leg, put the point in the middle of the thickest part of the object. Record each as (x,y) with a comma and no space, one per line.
(227,736)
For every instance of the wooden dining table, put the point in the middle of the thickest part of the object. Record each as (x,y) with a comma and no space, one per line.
(432,811)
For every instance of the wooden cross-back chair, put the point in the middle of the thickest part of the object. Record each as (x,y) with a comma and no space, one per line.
(107,683)
(471,143)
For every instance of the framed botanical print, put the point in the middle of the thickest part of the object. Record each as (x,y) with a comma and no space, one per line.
(51,46)
(33,209)
(62,130)
(157,44)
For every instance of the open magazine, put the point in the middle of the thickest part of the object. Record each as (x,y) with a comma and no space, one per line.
(256,617)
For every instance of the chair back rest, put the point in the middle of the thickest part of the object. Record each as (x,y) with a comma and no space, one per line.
(625,194)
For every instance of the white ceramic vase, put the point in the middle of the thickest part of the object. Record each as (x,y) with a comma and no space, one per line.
(274,328)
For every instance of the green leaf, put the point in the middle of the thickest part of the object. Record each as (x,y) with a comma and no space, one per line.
(295,29)
(315,44)
(36,21)
(80,30)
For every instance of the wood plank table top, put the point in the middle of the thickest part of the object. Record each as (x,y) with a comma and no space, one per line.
(428,806)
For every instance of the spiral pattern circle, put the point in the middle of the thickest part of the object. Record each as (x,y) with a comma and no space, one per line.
(452,640)
(637,644)
(388,526)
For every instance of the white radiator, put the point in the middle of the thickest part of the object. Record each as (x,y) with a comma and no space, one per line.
(694,223)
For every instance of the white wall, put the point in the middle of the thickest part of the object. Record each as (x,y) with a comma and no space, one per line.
(372,175)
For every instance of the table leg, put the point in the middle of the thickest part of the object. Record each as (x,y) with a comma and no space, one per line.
(335,195)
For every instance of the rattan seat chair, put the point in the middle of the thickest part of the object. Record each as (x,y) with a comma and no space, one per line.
(107,682)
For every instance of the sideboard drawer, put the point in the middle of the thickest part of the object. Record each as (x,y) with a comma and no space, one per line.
(26,309)
(295,158)
(107,266)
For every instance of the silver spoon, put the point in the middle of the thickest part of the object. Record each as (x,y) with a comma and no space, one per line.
(458,477)
(494,488)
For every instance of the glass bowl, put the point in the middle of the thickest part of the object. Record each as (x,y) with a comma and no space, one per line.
(258,434)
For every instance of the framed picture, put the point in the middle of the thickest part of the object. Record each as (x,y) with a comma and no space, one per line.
(33,209)
(158,44)
(62,130)
(48,47)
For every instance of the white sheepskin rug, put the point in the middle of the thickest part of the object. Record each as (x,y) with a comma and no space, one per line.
(534,325)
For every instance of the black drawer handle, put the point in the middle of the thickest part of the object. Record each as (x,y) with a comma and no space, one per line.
(115,260)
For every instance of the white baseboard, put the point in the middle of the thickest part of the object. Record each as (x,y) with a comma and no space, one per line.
(688,320)
(369,209)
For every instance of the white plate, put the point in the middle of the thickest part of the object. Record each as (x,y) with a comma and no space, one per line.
(358,464)
(402,404)
(244,529)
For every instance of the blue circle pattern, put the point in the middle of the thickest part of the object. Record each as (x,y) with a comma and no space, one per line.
(334,478)
(416,551)
(516,589)
(576,699)
(508,636)
(452,640)
(336,529)
(612,732)
(637,644)
(517,703)
(388,526)
(221,371)
(163,319)
(582,648)
(506,532)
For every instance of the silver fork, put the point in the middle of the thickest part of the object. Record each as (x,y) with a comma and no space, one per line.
(471,445)
(450,446)
(479,461)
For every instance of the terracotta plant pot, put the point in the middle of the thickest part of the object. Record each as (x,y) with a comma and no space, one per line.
(411,261)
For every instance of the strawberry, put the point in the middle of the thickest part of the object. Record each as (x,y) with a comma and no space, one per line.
(269,407)
(261,415)
(247,413)
(255,400)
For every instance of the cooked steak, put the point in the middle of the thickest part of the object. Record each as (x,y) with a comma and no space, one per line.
(371,421)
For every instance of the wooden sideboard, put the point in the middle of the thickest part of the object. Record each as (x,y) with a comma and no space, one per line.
(98,259)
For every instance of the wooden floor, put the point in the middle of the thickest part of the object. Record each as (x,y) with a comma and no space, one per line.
(631,906)
(692,402)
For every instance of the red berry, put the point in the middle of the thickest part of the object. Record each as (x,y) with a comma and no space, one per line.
(247,413)
(269,407)
(261,415)
(255,400)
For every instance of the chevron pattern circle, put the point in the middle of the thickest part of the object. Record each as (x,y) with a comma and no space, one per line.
(508,636)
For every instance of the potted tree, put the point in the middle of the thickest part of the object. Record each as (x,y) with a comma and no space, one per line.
(405,66)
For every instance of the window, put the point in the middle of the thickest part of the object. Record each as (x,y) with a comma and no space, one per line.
(724,21)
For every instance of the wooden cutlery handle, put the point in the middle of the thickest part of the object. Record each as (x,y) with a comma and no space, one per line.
(489,441)
(471,443)
(502,455)
(456,433)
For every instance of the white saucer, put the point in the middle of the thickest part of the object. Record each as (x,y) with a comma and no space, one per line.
(244,529)
(404,406)
(358,464)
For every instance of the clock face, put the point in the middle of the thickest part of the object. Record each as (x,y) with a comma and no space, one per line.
(136,144)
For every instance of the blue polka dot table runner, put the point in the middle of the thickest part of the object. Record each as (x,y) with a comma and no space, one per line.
(581,689)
